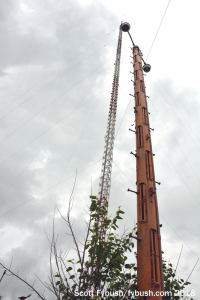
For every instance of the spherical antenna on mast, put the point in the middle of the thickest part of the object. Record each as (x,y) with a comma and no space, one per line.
(126,27)
(146,68)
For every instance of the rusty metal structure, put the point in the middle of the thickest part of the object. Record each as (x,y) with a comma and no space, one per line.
(149,252)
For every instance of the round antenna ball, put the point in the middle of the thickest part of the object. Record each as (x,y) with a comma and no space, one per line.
(146,68)
(126,27)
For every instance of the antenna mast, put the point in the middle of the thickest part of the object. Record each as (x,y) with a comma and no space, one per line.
(105,178)
(149,251)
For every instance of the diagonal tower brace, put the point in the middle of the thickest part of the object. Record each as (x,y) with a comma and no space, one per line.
(105,178)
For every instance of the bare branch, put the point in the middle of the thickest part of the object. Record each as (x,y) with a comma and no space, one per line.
(3,275)
(178,259)
(11,263)
(33,289)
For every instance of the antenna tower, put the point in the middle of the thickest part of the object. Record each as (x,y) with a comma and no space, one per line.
(149,251)
(105,178)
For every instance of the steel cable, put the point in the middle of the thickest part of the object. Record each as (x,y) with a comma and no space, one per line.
(158,29)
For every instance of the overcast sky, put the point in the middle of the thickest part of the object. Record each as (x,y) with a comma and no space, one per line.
(57,62)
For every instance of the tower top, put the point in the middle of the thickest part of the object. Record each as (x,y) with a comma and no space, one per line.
(126,27)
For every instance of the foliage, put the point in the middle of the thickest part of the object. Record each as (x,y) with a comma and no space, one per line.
(102,268)
(175,286)
(106,269)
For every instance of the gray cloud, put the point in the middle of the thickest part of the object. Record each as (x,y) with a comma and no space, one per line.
(37,39)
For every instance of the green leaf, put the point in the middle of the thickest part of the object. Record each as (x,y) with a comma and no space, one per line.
(128,276)
(128,266)
(74,286)
(93,197)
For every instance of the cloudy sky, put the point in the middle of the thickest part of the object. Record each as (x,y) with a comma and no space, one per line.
(57,62)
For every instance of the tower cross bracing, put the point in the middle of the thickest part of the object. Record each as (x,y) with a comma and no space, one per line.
(105,177)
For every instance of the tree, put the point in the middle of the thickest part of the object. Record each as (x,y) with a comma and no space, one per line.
(172,284)
(102,266)
(105,271)
(101,269)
